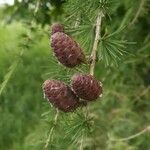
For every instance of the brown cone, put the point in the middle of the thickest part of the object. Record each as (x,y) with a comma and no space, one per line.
(86,87)
(67,50)
(60,95)
(57,28)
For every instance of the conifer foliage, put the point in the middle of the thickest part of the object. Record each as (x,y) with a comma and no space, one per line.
(95,76)
(88,22)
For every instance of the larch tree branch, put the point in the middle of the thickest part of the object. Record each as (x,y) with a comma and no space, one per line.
(96,41)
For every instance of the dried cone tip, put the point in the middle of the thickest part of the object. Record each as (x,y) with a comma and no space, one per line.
(57,28)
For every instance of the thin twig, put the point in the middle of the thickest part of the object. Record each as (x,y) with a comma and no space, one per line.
(77,22)
(147,129)
(138,12)
(81,142)
(144,47)
(96,41)
(37,7)
(52,129)
(94,50)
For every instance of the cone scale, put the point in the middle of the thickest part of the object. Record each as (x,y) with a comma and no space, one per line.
(65,49)
(60,95)
(86,87)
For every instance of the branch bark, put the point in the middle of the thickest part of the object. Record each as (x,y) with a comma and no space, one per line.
(96,41)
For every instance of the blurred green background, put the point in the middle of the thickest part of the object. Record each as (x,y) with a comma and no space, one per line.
(26,61)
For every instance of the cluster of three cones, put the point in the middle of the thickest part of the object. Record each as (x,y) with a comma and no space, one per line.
(83,87)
